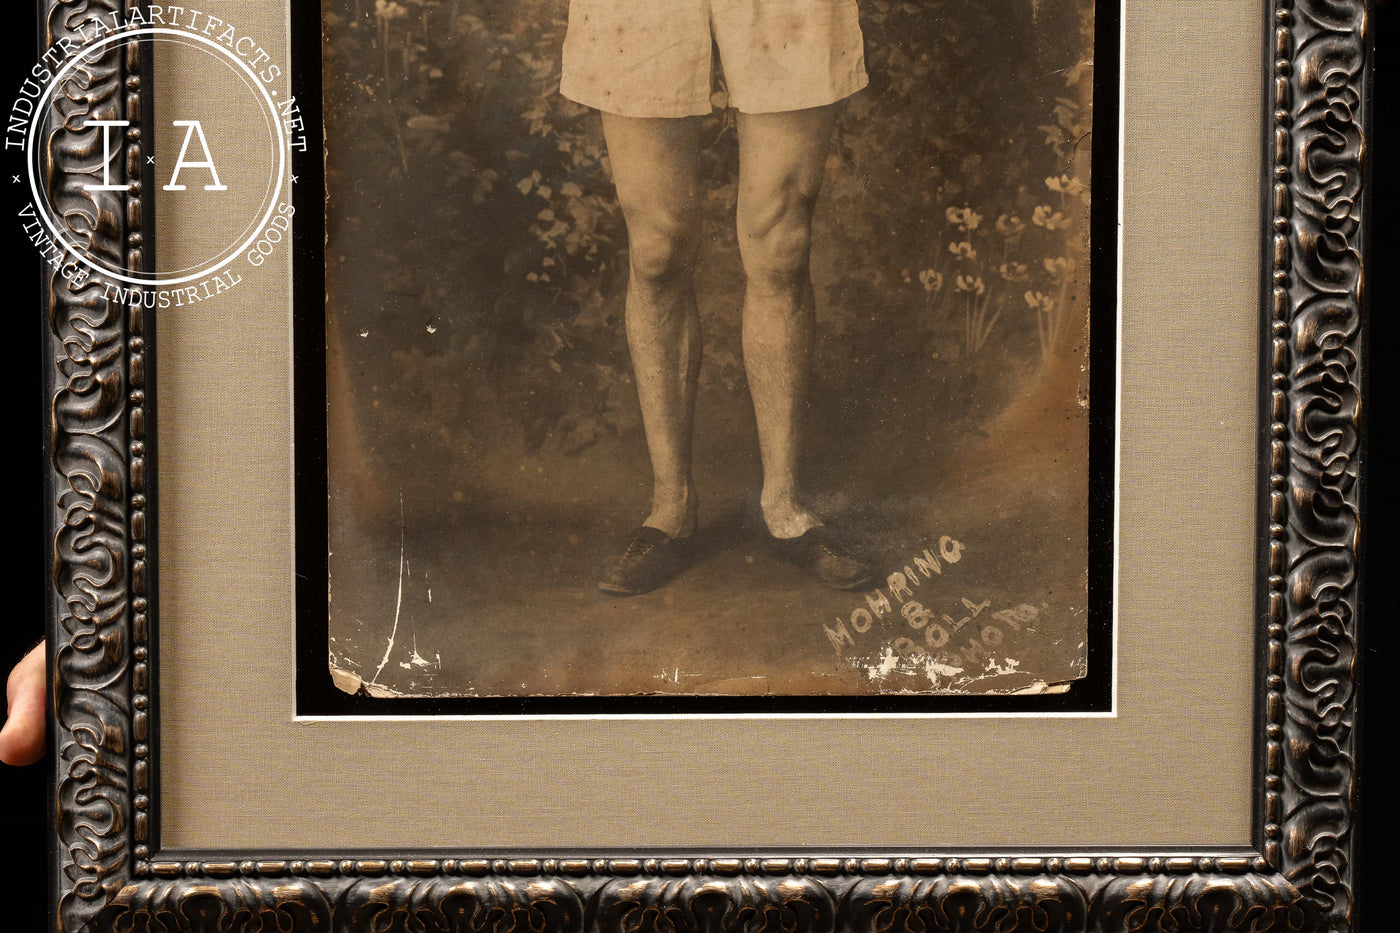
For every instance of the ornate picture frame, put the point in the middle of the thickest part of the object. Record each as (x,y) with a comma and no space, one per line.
(110,872)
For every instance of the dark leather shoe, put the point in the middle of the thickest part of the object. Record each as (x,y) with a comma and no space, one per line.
(650,559)
(831,563)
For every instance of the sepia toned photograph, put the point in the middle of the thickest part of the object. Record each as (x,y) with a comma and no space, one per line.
(709,348)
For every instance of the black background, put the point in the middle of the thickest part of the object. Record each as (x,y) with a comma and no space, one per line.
(24,803)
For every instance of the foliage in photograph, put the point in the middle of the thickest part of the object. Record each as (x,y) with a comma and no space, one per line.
(949,240)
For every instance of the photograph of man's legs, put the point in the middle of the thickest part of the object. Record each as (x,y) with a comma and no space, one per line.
(782,156)
(786,65)
(747,354)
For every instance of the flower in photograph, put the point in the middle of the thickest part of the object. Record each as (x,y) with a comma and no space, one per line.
(1010,226)
(1013,271)
(1057,266)
(973,284)
(1049,218)
(931,281)
(964,218)
(962,250)
(1065,184)
(1039,302)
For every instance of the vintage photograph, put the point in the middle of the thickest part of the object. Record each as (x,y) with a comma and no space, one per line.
(708,347)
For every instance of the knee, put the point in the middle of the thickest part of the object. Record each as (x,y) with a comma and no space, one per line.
(776,241)
(662,252)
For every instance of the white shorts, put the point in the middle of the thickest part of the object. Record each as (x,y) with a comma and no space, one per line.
(651,58)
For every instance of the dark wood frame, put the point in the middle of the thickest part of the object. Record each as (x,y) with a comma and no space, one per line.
(110,873)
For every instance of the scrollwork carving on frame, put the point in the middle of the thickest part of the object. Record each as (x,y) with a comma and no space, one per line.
(1319,97)
(694,898)
(112,876)
(96,432)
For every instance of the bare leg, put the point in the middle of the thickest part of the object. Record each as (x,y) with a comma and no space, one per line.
(654,164)
(781,160)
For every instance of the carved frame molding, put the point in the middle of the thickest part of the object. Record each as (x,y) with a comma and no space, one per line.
(110,875)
